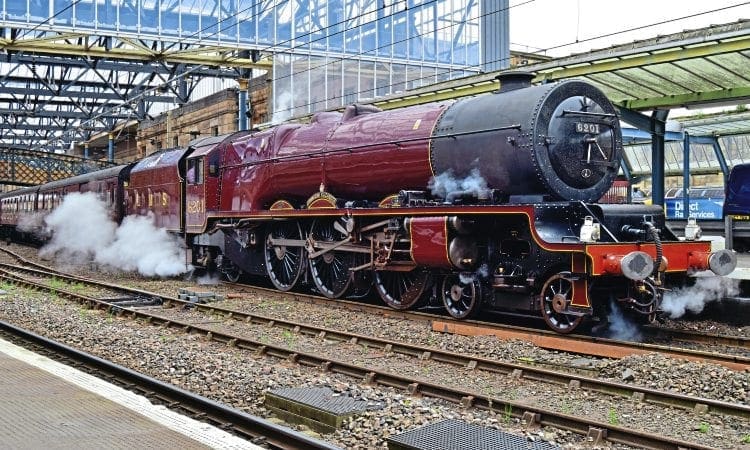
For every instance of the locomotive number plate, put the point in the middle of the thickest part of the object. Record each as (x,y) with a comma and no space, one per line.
(583,127)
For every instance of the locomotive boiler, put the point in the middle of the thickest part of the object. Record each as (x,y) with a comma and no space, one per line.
(480,204)
(550,142)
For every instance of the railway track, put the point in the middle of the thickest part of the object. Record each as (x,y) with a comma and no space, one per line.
(737,359)
(466,398)
(421,352)
(250,427)
(587,345)
(584,345)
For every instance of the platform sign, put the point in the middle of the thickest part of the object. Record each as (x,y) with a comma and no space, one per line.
(700,208)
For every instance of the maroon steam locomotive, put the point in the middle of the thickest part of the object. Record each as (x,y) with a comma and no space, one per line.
(485,203)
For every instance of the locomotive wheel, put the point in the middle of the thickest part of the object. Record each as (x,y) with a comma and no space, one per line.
(556,295)
(401,290)
(233,273)
(284,264)
(330,271)
(461,297)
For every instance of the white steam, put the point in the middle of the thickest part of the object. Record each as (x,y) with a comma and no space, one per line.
(79,226)
(82,230)
(694,298)
(208,279)
(620,327)
(282,108)
(139,246)
(443,185)
(31,223)
(469,277)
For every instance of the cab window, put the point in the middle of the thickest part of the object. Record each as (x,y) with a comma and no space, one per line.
(195,171)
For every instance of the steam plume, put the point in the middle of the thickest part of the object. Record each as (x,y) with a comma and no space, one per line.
(445,184)
(694,298)
(32,223)
(139,246)
(82,230)
(620,327)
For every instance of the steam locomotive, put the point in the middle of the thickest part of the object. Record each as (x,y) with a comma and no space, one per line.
(480,204)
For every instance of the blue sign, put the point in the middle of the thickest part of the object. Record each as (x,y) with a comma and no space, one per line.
(700,208)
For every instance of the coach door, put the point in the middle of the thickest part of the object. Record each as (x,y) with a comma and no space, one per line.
(195,195)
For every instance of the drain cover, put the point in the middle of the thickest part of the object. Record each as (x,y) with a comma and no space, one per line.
(457,435)
(319,408)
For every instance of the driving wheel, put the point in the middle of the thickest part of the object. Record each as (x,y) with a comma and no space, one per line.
(557,294)
(284,263)
(461,295)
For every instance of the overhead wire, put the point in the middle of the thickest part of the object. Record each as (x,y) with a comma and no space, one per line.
(501,60)
(266,48)
(279,46)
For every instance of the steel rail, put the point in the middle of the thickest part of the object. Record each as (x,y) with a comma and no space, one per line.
(696,336)
(480,363)
(483,326)
(587,345)
(244,424)
(465,398)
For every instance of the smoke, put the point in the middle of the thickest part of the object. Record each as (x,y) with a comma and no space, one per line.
(32,223)
(139,246)
(282,108)
(79,227)
(82,231)
(468,277)
(208,280)
(443,185)
(620,327)
(694,298)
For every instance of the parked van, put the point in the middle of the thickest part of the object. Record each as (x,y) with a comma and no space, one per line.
(737,200)
(737,197)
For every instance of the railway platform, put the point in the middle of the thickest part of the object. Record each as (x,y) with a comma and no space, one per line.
(46,404)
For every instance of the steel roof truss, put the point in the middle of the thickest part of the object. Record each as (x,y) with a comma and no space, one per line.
(712,60)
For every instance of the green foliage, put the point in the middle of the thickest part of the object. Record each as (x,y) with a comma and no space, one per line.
(83,312)
(613,418)
(56,283)
(508,413)
(703,427)
(55,298)
(77,287)
(289,337)
(746,439)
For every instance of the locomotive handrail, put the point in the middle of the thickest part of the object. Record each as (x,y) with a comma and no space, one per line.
(588,113)
(364,146)
(604,227)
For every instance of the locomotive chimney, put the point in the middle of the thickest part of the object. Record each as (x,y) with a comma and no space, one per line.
(516,79)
